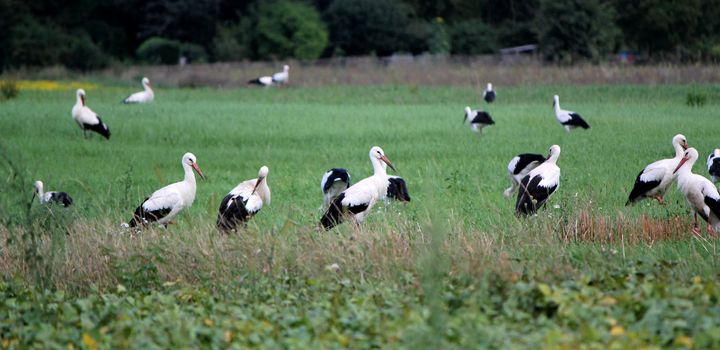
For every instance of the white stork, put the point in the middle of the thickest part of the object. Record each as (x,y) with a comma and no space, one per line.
(61,198)
(700,193)
(358,199)
(477,119)
(713,164)
(656,178)
(244,201)
(397,189)
(164,204)
(145,96)
(86,118)
(262,81)
(519,167)
(489,94)
(333,183)
(539,184)
(569,119)
(282,78)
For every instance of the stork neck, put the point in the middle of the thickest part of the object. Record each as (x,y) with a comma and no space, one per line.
(679,151)
(189,175)
(40,194)
(79,101)
(557,106)
(146,87)
(379,167)
(686,169)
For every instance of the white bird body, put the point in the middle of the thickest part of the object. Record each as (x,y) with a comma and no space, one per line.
(164,204)
(86,118)
(262,81)
(568,119)
(713,164)
(539,184)
(519,167)
(58,197)
(145,96)
(477,119)
(244,201)
(654,180)
(700,193)
(333,183)
(282,77)
(358,199)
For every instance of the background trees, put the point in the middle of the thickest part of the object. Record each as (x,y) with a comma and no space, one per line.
(86,34)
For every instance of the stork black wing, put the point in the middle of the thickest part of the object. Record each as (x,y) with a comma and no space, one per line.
(397,190)
(144,217)
(640,189)
(577,120)
(61,198)
(525,160)
(532,196)
(483,117)
(232,212)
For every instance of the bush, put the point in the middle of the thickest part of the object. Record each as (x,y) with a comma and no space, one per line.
(473,37)
(422,36)
(82,54)
(9,89)
(288,29)
(233,42)
(159,51)
(361,27)
(36,45)
(193,52)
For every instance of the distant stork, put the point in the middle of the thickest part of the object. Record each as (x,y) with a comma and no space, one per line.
(145,96)
(61,198)
(539,185)
(713,164)
(656,178)
(333,183)
(164,204)
(244,201)
(519,167)
(86,118)
(282,78)
(357,201)
(700,193)
(262,81)
(570,120)
(397,189)
(489,94)
(477,119)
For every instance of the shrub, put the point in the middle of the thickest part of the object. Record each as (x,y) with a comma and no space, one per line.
(472,37)
(422,36)
(82,54)
(193,52)
(232,42)
(157,50)
(34,44)
(288,29)
(9,89)
(360,27)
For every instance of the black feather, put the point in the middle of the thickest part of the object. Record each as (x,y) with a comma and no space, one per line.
(333,214)
(143,217)
(640,189)
(532,196)
(336,174)
(489,96)
(233,212)
(482,117)
(577,120)
(714,169)
(714,205)
(397,189)
(99,128)
(61,198)
(525,160)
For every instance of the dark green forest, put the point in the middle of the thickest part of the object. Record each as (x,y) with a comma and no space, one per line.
(86,34)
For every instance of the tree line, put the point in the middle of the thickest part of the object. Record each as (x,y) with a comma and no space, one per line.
(87,34)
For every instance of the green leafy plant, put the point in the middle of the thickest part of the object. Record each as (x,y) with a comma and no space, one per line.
(9,89)
(696,99)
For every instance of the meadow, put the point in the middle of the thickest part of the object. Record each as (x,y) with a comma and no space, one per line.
(452,268)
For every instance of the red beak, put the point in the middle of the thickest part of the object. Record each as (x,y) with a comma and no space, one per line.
(684,146)
(387,161)
(82,98)
(682,161)
(259,180)
(197,169)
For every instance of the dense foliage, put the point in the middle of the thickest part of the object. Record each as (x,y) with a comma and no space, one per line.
(84,34)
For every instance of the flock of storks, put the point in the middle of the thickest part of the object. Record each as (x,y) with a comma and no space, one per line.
(535,177)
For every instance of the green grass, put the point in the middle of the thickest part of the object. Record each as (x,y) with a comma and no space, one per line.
(397,280)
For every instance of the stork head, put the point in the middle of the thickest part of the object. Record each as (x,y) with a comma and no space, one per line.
(262,174)
(80,93)
(553,153)
(680,140)
(489,87)
(690,156)
(716,153)
(286,68)
(378,153)
(145,82)
(556,100)
(191,160)
(38,186)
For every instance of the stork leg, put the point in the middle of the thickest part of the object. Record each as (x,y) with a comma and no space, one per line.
(661,201)
(696,228)
(710,229)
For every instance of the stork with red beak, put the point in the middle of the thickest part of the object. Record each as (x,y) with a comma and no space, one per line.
(357,201)
(539,184)
(145,96)
(164,204)
(86,118)
(700,193)
(244,201)
(654,180)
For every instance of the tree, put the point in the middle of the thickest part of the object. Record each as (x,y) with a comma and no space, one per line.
(569,30)
(473,37)
(289,29)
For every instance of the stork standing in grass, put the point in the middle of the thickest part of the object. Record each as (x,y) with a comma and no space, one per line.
(477,119)
(86,118)
(57,197)
(333,183)
(145,96)
(489,94)
(244,201)
(519,167)
(700,193)
(282,78)
(397,189)
(656,178)
(568,119)
(166,203)
(713,164)
(539,184)
(357,201)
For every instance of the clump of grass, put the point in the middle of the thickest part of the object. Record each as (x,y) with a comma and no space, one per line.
(8,89)
(696,99)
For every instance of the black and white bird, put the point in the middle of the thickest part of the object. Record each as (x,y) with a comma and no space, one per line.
(333,183)
(656,178)
(397,189)
(700,193)
(477,119)
(262,81)
(282,78)
(244,201)
(713,164)
(539,184)
(489,94)
(166,203)
(568,119)
(519,167)
(145,96)
(86,118)
(357,201)
(56,197)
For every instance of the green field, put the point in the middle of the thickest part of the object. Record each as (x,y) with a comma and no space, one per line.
(452,268)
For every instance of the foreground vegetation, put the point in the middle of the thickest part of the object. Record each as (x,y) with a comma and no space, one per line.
(452,268)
